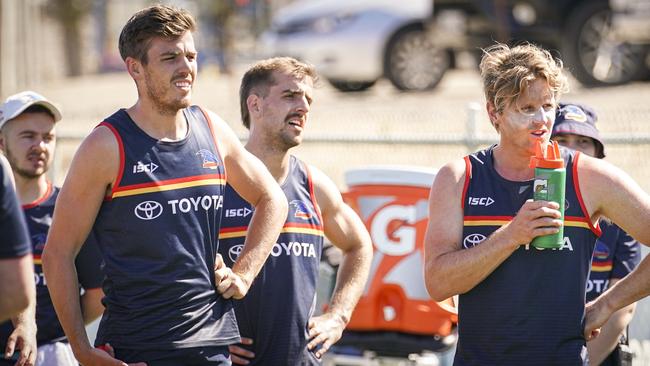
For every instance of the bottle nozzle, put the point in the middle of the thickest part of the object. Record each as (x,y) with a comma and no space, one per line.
(551,160)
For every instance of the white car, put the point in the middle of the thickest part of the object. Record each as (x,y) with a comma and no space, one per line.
(354,43)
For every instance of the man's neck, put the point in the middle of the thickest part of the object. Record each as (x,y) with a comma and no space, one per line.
(160,126)
(512,164)
(30,189)
(276,161)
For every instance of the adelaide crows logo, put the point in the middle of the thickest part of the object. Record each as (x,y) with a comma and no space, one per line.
(574,113)
(38,242)
(301,210)
(601,252)
(209,160)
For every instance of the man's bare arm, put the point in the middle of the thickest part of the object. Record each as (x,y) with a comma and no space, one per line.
(91,304)
(463,269)
(18,280)
(252,181)
(91,173)
(608,191)
(346,231)
(610,334)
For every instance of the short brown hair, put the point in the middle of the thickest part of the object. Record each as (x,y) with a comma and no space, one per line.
(506,72)
(259,78)
(155,21)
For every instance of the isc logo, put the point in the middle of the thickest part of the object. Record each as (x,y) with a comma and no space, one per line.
(144,168)
(238,212)
(480,201)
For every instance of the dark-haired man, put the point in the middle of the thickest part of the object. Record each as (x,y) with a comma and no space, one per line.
(152,179)
(277,317)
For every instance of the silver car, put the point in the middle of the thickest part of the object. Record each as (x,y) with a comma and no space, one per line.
(354,43)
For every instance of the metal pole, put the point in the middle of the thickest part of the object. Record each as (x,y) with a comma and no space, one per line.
(8,42)
(471,140)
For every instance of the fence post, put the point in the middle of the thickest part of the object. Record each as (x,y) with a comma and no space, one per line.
(471,135)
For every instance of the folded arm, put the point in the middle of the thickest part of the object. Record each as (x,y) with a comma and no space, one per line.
(252,181)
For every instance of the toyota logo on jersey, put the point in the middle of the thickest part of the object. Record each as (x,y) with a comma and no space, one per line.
(472,240)
(235,251)
(148,210)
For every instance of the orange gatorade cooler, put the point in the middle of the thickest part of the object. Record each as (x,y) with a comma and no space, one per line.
(393,204)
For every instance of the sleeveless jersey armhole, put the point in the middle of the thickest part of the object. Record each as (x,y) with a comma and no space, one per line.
(311,191)
(468,177)
(576,186)
(214,139)
(120,173)
(40,199)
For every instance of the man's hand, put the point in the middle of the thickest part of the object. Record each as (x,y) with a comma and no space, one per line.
(23,339)
(324,330)
(103,356)
(229,284)
(240,355)
(535,218)
(596,314)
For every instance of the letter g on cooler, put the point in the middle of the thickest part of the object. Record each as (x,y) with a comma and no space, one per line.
(148,210)
(402,240)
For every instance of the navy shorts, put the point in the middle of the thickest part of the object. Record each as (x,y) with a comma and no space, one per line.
(209,356)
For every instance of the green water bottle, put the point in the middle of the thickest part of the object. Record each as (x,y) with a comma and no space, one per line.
(549,185)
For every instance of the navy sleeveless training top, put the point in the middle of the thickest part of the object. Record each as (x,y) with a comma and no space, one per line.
(530,309)
(38,216)
(157,234)
(282,298)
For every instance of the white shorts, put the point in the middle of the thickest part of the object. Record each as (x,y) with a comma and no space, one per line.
(55,354)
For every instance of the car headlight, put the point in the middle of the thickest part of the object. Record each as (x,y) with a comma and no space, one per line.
(323,24)
(332,23)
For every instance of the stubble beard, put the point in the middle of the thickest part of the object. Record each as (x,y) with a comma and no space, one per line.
(287,142)
(25,173)
(156,94)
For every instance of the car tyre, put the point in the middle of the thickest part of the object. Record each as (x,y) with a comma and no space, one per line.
(351,86)
(412,62)
(591,51)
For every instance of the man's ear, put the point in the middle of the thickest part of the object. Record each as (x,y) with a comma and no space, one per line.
(254,104)
(134,67)
(492,114)
(2,142)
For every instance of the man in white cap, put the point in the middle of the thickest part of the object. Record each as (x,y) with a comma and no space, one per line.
(28,139)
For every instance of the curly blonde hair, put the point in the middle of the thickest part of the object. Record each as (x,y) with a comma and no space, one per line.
(507,72)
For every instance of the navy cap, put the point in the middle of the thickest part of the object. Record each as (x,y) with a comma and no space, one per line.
(577,119)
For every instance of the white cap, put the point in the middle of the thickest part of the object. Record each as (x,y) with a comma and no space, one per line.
(17,103)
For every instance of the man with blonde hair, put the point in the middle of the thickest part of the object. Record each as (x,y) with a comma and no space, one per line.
(519,305)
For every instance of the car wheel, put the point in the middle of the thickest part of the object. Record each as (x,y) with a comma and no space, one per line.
(351,86)
(592,52)
(412,62)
